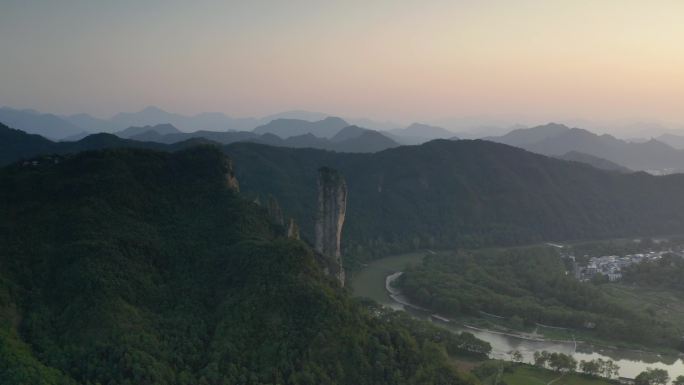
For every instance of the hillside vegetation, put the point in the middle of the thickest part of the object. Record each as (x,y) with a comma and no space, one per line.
(464,193)
(441,194)
(140,267)
(530,286)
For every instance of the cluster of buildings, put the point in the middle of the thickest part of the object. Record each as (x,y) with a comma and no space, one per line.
(611,266)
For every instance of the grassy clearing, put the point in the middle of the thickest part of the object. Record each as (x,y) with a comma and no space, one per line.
(662,303)
(530,375)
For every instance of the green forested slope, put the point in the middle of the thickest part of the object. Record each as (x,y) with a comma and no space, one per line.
(465,193)
(141,267)
(531,285)
(444,193)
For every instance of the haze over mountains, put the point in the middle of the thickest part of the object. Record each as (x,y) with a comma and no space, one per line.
(34,122)
(291,129)
(434,194)
(154,224)
(302,129)
(558,140)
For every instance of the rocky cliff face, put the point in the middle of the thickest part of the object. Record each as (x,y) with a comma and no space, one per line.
(231,180)
(293,229)
(332,206)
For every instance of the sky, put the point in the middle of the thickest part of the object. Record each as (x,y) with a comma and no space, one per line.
(393,60)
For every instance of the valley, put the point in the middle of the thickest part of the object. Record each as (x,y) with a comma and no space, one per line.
(216,192)
(505,337)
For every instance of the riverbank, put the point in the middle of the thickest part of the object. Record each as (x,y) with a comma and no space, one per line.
(530,375)
(574,338)
(396,295)
(371,282)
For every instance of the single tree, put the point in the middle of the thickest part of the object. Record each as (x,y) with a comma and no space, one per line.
(590,367)
(516,356)
(611,369)
(541,358)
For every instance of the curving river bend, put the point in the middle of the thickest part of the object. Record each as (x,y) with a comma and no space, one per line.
(371,281)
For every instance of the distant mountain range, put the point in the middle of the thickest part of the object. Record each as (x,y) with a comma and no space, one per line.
(17,144)
(676,141)
(558,140)
(418,133)
(285,124)
(285,128)
(161,129)
(47,125)
(74,127)
(327,134)
(302,129)
(440,194)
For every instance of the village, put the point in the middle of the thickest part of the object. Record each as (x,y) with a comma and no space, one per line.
(586,268)
(611,266)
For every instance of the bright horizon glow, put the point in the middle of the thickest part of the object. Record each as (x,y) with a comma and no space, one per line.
(387,60)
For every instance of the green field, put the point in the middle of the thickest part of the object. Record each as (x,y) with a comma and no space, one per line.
(667,304)
(529,375)
(661,303)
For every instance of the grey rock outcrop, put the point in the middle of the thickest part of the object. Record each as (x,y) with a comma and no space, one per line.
(231,180)
(293,229)
(332,206)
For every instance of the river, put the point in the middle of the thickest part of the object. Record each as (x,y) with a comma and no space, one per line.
(370,282)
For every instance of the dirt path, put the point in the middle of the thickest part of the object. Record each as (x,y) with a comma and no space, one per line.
(555,379)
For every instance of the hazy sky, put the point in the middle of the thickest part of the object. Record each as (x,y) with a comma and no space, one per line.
(400,60)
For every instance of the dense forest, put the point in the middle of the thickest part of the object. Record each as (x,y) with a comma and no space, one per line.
(666,273)
(140,267)
(445,194)
(442,194)
(529,285)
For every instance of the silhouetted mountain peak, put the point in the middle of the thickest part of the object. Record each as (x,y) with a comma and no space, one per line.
(558,140)
(334,120)
(522,137)
(349,132)
(554,126)
(153,110)
(417,133)
(286,128)
(161,129)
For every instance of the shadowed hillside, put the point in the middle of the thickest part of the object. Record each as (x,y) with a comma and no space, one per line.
(141,267)
(468,193)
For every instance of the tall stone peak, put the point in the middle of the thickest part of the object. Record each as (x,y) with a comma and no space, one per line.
(293,229)
(231,180)
(332,206)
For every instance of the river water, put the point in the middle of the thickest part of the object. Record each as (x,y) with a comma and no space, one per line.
(371,283)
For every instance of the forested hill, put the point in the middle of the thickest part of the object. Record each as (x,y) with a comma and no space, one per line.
(442,193)
(470,193)
(139,267)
